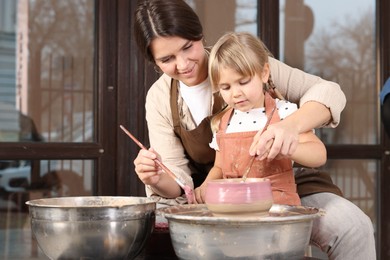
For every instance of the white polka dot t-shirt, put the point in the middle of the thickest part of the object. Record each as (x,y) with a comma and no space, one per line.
(254,119)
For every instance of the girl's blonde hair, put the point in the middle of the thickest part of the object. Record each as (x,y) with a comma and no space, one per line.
(240,51)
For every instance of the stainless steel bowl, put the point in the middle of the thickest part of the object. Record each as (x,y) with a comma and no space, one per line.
(92,227)
(197,234)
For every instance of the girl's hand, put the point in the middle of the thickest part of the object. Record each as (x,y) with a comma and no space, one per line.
(278,141)
(200,193)
(145,167)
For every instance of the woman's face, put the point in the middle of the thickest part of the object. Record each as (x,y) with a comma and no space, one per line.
(242,93)
(180,59)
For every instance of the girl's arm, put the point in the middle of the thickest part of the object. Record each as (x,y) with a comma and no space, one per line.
(310,152)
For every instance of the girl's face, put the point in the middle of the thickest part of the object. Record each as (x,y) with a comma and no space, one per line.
(242,93)
(180,59)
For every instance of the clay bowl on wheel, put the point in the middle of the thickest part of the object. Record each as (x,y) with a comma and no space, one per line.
(235,197)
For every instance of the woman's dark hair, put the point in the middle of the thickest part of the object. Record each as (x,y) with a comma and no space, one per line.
(162,18)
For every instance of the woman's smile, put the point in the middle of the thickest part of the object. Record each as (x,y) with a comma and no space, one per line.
(188,72)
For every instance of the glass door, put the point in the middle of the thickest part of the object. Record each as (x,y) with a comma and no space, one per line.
(336,40)
(48,143)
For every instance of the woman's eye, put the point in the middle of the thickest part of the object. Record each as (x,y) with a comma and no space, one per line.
(187,46)
(166,60)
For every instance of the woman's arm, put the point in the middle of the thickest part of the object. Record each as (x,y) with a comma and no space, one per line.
(300,87)
(321,103)
(284,134)
(156,180)
(164,141)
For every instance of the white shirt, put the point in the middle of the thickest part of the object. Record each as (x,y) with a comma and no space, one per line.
(198,99)
(254,119)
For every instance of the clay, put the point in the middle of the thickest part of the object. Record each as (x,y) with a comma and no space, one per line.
(236,197)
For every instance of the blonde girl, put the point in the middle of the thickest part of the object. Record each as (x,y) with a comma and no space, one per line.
(239,69)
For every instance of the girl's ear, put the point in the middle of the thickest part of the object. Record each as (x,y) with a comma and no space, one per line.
(265,73)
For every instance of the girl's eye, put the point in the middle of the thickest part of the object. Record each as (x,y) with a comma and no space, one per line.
(245,81)
(224,87)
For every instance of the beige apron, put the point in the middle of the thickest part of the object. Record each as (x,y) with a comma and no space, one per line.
(234,149)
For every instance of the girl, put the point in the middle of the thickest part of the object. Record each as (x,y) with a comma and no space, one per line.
(239,69)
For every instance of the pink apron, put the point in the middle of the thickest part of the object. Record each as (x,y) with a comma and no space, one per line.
(234,149)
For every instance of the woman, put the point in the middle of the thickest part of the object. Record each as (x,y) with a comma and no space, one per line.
(178,110)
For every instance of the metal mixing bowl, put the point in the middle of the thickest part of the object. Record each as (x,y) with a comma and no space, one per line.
(197,234)
(92,227)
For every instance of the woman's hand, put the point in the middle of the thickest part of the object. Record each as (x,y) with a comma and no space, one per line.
(278,141)
(145,167)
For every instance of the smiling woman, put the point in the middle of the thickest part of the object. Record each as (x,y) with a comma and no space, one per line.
(180,58)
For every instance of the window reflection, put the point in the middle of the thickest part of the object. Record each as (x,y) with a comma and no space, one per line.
(53,178)
(22,180)
(46,70)
(335,40)
(235,15)
(357,180)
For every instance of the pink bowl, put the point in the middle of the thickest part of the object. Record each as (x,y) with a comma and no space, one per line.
(236,197)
